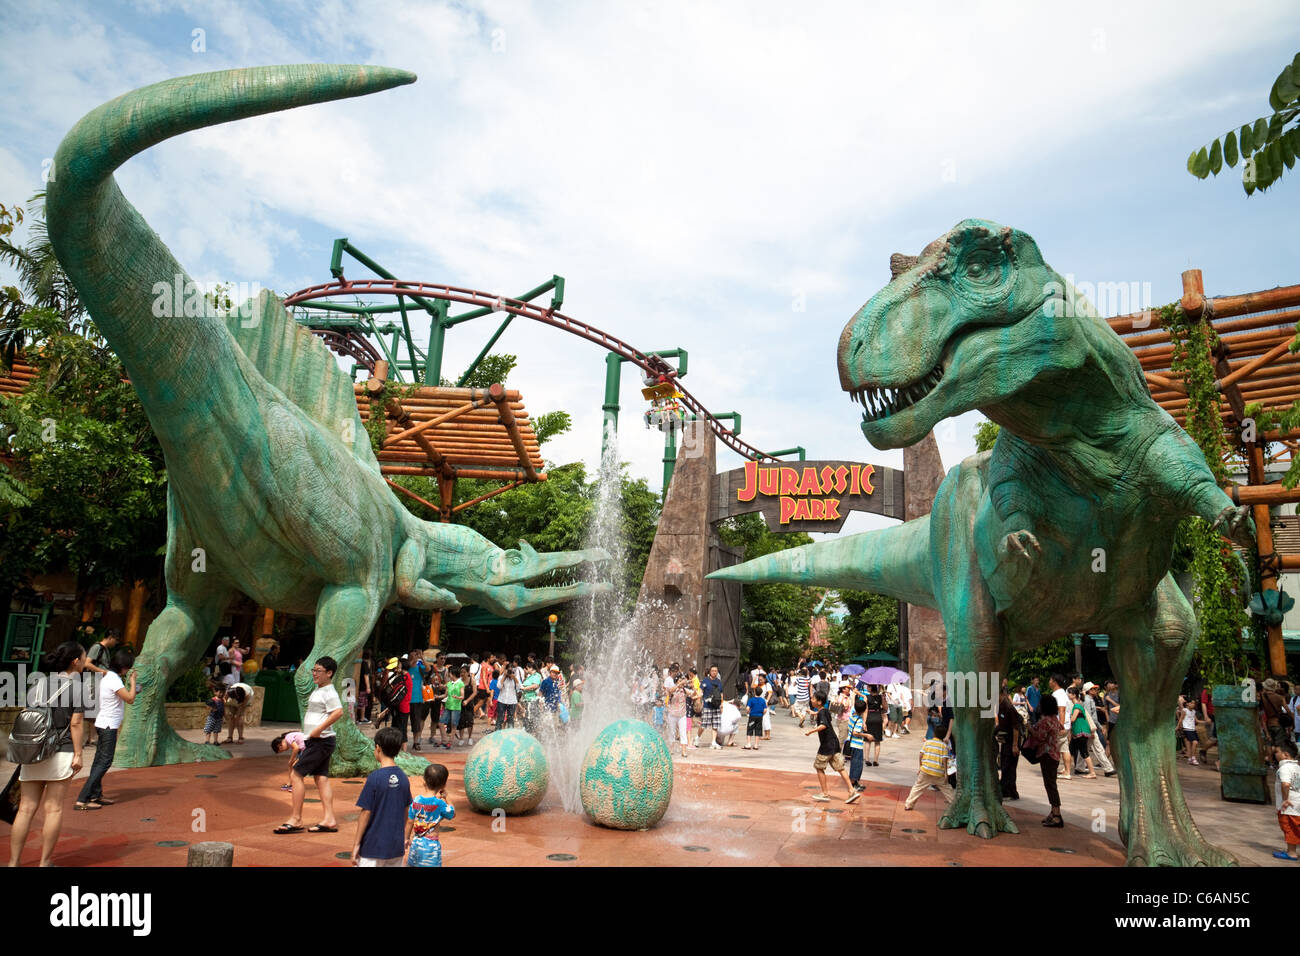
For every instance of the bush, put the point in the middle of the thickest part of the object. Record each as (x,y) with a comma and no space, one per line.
(191,687)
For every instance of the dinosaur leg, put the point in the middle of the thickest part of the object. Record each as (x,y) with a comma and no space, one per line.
(1150,653)
(173,643)
(977,655)
(344,619)
(976,662)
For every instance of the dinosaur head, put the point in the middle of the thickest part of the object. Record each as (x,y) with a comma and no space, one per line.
(499,579)
(519,566)
(960,326)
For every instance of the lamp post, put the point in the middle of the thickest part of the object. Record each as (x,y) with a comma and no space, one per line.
(551,652)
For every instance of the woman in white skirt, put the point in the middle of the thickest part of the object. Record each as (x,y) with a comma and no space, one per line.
(46,782)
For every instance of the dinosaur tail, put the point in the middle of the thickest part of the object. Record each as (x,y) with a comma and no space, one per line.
(894,562)
(107,249)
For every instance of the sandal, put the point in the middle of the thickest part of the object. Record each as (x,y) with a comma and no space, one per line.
(88,806)
(284,828)
(103,803)
(322,828)
(1054,821)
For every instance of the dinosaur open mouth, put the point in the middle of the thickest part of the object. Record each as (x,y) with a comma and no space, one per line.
(878,403)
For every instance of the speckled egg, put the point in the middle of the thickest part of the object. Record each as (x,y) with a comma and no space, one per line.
(627,776)
(506,769)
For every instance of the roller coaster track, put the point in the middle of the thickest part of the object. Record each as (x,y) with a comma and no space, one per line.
(651,364)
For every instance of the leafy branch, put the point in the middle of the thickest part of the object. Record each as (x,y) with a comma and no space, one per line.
(1266,147)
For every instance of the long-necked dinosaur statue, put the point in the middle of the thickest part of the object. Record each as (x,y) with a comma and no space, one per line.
(270,472)
(1084,460)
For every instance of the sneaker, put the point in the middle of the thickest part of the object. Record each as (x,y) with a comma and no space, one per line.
(853,796)
(417,745)
(821,798)
(860,788)
(906,731)
(1110,773)
(715,746)
(1194,762)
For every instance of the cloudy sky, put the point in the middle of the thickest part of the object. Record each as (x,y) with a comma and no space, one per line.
(727,178)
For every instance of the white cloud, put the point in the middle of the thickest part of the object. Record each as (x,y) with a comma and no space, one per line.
(690,168)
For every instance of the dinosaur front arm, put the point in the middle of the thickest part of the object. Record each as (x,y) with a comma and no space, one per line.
(413,590)
(1188,481)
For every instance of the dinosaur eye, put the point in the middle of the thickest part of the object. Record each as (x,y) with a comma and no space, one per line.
(982,268)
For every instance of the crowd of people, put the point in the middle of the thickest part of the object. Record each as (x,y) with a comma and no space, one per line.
(452,697)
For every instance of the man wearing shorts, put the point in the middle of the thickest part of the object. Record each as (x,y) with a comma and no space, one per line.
(323,708)
(828,751)
(711,712)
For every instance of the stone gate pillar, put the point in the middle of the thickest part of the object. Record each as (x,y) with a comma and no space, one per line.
(927,642)
(673,598)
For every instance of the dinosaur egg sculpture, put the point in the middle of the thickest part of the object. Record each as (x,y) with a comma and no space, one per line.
(506,769)
(626,779)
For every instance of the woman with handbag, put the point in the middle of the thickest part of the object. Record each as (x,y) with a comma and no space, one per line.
(46,781)
(1043,748)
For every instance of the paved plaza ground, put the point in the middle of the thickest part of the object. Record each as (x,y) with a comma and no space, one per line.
(729,807)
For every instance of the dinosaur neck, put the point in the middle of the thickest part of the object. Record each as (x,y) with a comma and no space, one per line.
(125,275)
(1095,394)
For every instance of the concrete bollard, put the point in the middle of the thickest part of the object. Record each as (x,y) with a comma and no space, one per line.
(211,853)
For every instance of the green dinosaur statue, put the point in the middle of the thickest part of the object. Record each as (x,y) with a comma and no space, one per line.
(1066,526)
(273,489)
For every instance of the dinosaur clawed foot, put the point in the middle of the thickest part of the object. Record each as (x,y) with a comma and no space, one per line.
(1022,544)
(979,812)
(1236,524)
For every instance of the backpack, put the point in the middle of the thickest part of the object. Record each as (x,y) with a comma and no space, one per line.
(34,736)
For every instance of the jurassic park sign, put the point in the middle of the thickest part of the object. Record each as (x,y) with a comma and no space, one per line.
(809,495)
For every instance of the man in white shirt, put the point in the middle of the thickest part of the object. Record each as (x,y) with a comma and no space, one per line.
(323,708)
(1062,700)
(111,699)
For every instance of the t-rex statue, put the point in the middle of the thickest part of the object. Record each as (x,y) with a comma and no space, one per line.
(273,488)
(1088,473)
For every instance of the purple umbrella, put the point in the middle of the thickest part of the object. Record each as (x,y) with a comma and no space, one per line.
(850,670)
(883,675)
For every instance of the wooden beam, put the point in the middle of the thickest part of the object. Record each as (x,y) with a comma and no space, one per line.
(507,416)
(491,494)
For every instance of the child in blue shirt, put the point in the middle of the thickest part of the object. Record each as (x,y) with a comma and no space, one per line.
(754,730)
(383,802)
(426,813)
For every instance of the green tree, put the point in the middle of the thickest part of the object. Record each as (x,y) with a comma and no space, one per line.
(1266,147)
(774,618)
(89,466)
(1054,657)
(42,285)
(986,434)
(871,624)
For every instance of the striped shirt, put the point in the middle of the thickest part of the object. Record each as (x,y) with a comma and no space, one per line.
(855,727)
(933,753)
(801,687)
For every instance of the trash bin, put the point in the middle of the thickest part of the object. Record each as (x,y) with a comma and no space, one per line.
(281,701)
(1242,774)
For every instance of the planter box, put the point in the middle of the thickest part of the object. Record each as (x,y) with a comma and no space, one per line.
(193,716)
(186,716)
(180,716)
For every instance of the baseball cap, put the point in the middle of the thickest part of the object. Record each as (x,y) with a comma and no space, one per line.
(393,664)
(1089,686)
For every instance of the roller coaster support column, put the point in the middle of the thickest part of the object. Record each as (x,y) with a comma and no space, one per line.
(613,381)
(670,445)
